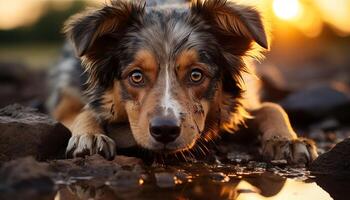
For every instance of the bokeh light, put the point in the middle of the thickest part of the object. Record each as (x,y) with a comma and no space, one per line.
(286,9)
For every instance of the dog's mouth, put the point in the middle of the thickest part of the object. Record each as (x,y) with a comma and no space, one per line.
(171,147)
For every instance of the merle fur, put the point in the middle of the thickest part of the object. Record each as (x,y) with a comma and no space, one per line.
(106,41)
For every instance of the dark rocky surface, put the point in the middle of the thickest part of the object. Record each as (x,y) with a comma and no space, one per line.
(24,132)
(318,102)
(334,162)
(26,178)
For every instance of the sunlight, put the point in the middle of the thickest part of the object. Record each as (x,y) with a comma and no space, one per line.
(336,13)
(286,9)
(16,13)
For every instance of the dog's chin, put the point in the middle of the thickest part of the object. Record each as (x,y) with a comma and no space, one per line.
(170,148)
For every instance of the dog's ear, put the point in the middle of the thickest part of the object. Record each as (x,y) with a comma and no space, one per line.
(96,35)
(235,26)
(86,29)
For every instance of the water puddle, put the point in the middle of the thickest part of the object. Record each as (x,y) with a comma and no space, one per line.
(196,181)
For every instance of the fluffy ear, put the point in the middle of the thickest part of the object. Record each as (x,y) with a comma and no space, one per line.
(96,36)
(235,26)
(87,28)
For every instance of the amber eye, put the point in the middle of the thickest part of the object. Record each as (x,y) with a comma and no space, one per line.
(136,77)
(196,75)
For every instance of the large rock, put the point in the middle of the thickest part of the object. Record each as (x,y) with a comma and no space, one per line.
(25,132)
(334,162)
(318,102)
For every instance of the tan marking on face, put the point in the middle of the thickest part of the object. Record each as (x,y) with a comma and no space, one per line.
(187,58)
(146,62)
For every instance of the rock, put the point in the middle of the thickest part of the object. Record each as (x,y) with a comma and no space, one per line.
(165,179)
(21,84)
(95,166)
(334,162)
(126,178)
(25,132)
(127,161)
(274,85)
(336,186)
(219,177)
(318,102)
(279,162)
(25,177)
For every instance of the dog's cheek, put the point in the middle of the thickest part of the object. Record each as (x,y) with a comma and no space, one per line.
(200,91)
(133,110)
(201,116)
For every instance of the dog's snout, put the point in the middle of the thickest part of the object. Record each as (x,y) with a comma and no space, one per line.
(164,130)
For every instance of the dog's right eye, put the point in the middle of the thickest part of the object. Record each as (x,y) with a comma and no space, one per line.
(136,78)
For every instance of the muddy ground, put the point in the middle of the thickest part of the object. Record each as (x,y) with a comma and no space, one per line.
(33,164)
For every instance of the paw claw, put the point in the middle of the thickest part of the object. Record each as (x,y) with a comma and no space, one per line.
(297,152)
(87,144)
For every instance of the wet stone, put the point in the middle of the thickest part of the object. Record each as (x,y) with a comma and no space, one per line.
(165,179)
(25,132)
(334,162)
(25,177)
(279,162)
(126,178)
(318,102)
(219,177)
(240,157)
(256,165)
(95,166)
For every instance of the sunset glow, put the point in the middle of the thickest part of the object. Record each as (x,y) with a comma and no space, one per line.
(307,16)
(286,9)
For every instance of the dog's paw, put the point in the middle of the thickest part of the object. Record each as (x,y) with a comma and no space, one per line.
(88,144)
(299,151)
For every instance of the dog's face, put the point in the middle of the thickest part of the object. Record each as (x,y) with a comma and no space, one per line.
(173,70)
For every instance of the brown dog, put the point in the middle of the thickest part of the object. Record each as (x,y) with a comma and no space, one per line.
(174,71)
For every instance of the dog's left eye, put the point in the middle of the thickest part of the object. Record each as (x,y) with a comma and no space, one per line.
(196,75)
(136,77)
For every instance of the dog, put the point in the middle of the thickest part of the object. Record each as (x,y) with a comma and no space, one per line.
(173,73)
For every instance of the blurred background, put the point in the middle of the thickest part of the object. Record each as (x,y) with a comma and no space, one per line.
(307,69)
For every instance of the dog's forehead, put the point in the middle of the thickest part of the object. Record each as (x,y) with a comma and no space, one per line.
(166,32)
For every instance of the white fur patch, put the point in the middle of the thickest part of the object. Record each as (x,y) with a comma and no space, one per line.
(169,102)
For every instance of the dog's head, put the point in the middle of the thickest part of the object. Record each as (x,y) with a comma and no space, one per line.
(174,70)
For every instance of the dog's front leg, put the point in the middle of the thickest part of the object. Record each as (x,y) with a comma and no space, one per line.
(279,141)
(88,137)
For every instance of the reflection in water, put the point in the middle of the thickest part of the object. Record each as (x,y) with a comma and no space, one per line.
(209,186)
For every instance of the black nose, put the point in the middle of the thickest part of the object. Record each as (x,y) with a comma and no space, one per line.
(164,129)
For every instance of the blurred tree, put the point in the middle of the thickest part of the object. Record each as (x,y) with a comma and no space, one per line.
(48,29)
